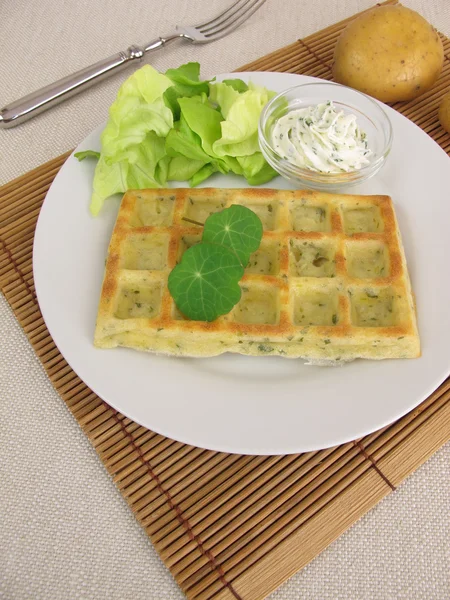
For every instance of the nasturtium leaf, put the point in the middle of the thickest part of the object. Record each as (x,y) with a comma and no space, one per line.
(205,284)
(237,228)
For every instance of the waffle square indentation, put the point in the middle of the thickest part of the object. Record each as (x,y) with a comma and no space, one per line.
(146,251)
(259,305)
(311,258)
(365,219)
(199,209)
(266,260)
(139,302)
(267,212)
(316,307)
(367,259)
(309,217)
(153,212)
(373,307)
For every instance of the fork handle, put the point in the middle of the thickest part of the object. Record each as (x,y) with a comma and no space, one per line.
(29,106)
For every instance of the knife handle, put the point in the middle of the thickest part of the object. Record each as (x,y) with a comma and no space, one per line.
(29,106)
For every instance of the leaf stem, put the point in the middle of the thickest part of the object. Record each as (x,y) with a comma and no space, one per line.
(192,221)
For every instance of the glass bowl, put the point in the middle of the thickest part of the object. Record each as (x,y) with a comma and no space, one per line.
(371,119)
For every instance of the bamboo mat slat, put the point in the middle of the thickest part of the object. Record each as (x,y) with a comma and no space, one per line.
(229,526)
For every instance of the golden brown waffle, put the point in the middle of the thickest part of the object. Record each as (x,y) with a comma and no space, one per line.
(329,281)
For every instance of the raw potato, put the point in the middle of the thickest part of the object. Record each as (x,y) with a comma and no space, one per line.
(390,52)
(444,112)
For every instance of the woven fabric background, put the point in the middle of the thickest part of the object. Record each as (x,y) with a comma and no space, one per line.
(65,530)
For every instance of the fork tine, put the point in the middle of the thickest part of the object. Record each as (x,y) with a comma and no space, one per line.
(229,26)
(222,14)
(221,19)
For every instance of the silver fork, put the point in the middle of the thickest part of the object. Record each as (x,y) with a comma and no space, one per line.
(29,106)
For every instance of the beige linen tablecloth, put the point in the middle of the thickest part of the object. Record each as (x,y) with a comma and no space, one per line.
(65,531)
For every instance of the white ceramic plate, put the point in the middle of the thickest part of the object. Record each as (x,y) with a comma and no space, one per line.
(232,403)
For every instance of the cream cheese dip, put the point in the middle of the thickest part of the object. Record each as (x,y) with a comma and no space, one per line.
(321,139)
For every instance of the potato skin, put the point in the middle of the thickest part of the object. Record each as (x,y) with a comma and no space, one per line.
(390,52)
(444,112)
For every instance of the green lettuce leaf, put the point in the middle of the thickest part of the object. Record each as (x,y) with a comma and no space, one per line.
(199,129)
(254,165)
(183,169)
(232,164)
(237,84)
(132,142)
(142,171)
(108,180)
(203,120)
(162,171)
(182,141)
(203,174)
(122,135)
(240,127)
(188,75)
(87,154)
(186,83)
(224,95)
(241,111)
(175,127)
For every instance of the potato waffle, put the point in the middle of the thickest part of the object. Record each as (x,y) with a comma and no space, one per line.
(328,283)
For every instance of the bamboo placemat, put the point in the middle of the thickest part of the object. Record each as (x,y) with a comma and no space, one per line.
(228,526)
